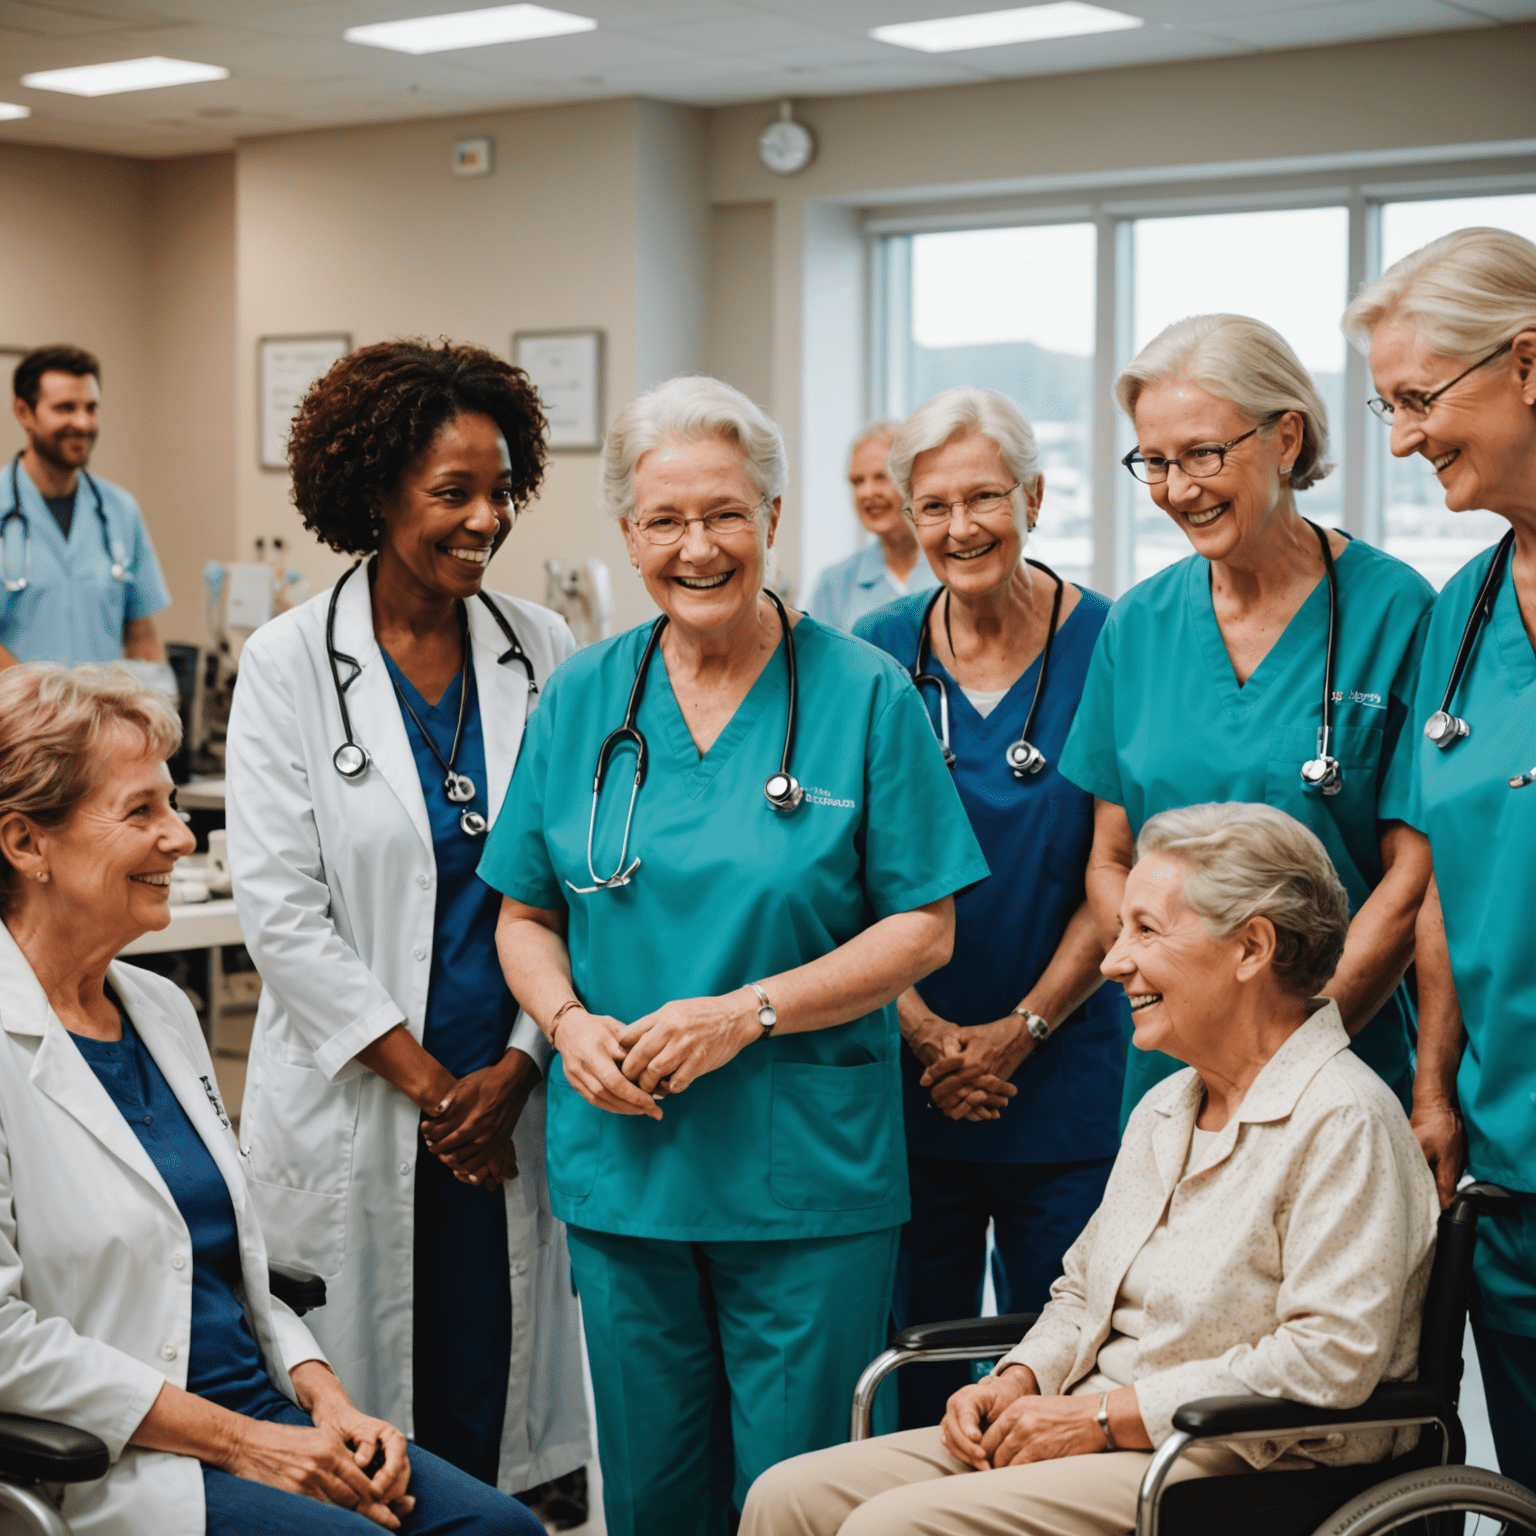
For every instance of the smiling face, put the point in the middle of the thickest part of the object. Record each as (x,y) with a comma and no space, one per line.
(707,582)
(1479,437)
(61,428)
(451,510)
(971,554)
(876,500)
(1226,516)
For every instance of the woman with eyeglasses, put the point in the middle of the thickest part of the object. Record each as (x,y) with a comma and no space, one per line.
(713,936)
(1451,334)
(1015,1051)
(1209,679)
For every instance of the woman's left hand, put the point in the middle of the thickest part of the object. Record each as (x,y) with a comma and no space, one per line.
(325,1400)
(1042,1429)
(480,1112)
(975,1085)
(681,1041)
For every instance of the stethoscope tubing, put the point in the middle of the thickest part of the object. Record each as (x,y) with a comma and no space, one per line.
(1324,771)
(116,561)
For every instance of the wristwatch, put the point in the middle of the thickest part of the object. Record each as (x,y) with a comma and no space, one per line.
(767,1015)
(1038,1028)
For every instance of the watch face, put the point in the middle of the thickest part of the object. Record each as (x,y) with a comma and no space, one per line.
(786,147)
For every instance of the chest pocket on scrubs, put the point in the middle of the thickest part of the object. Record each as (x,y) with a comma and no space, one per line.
(1345,822)
(1068,836)
(833,1136)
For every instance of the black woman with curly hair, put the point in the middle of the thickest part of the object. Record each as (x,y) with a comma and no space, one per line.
(394,1106)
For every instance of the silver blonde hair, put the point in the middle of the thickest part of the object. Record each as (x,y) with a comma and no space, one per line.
(1247,362)
(884,426)
(1467,293)
(966,408)
(1248,861)
(688,410)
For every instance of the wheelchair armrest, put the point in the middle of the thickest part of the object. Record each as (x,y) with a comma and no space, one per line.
(985,1333)
(304,1293)
(1226,1418)
(40,1451)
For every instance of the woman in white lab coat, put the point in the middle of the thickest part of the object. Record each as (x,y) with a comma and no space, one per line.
(394,1111)
(134,1298)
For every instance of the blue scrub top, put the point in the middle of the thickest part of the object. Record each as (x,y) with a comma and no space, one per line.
(1163,723)
(861,584)
(73,609)
(470,1012)
(800,1135)
(1036,835)
(223,1363)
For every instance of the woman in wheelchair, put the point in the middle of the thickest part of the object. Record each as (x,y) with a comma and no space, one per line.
(1268,1226)
(134,1298)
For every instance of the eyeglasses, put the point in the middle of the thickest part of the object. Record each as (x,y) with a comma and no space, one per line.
(723,523)
(931,509)
(1198,463)
(1415,406)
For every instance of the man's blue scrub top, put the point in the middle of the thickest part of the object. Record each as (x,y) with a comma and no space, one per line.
(73,609)
(860,584)
(1163,723)
(800,1135)
(1036,835)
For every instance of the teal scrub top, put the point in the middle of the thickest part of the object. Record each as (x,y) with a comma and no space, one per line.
(800,1135)
(1164,723)
(72,608)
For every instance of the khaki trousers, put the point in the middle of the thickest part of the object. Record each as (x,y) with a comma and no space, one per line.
(908,1485)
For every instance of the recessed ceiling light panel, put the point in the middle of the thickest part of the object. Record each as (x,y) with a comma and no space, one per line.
(469,29)
(992,29)
(9,111)
(123,75)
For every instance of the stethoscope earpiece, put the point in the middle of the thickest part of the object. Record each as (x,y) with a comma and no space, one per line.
(1445,729)
(783,792)
(350,760)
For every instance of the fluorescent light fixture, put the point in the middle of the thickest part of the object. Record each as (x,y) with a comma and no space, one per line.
(9,110)
(992,29)
(124,75)
(469,29)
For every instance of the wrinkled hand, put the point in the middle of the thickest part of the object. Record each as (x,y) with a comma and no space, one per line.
(969,1411)
(683,1040)
(474,1121)
(933,1039)
(1443,1138)
(1042,1429)
(975,1083)
(590,1053)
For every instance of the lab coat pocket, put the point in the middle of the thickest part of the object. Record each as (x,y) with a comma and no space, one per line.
(834,1136)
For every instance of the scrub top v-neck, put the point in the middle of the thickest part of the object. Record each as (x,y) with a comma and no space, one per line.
(1036,835)
(800,1135)
(1164,723)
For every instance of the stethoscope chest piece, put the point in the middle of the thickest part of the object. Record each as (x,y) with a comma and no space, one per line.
(1025,759)
(1323,773)
(350,760)
(783,792)
(1445,729)
(472,823)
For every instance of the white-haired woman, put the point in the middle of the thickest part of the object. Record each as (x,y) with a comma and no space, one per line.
(1209,678)
(715,956)
(890,565)
(1016,1052)
(1268,1228)
(1451,332)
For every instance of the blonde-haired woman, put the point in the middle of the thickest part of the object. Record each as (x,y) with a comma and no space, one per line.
(1015,1051)
(1276,664)
(713,937)
(1451,332)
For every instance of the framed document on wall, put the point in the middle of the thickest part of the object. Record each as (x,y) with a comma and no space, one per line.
(12,438)
(285,368)
(567,370)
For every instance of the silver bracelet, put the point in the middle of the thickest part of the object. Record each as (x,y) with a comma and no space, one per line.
(1102,1419)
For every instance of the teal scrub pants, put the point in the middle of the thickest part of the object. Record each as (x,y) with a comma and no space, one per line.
(712,1361)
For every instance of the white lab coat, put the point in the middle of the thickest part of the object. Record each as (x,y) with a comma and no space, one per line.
(335,882)
(95,1257)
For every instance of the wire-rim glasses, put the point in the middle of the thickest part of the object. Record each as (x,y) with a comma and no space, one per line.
(932,510)
(723,523)
(1416,406)
(1199,463)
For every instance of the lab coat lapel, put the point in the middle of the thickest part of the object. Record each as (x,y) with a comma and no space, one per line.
(374,708)
(504,699)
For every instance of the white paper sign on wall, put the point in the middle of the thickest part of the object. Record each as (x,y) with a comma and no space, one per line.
(286,367)
(472,157)
(567,370)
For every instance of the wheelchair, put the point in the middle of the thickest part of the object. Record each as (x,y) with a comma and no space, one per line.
(1427,1492)
(37,1456)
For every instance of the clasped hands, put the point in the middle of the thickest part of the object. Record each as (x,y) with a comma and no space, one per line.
(1003,1421)
(967,1069)
(468,1124)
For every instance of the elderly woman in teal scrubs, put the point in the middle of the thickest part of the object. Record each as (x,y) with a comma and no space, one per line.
(1208,679)
(1451,331)
(715,953)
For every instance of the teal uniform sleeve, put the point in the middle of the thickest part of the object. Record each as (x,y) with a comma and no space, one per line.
(147,591)
(1400,738)
(516,860)
(918,843)
(1091,757)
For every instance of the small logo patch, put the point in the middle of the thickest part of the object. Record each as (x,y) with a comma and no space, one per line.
(814,795)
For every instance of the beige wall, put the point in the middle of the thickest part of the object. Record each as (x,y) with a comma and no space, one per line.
(739,333)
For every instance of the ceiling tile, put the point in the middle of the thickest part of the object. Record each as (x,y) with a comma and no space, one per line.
(1303,26)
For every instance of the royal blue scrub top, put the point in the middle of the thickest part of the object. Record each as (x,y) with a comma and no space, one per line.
(800,1135)
(1036,835)
(1164,723)
(73,609)
(223,1362)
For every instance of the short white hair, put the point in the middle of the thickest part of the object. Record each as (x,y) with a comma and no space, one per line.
(1248,861)
(884,426)
(690,409)
(967,408)
(1467,293)
(1240,359)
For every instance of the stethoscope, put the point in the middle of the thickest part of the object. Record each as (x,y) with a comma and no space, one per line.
(781,789)
(116,559)
(1324,771)
(1443,728)
(1022,756)
(351,759)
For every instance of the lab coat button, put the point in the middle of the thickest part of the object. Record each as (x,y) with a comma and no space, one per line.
(177,1261)
(420,952)
(519,1269)
(424,881)
(167,1351)
(405,1168)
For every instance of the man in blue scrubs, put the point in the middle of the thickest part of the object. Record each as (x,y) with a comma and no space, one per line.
(81,581)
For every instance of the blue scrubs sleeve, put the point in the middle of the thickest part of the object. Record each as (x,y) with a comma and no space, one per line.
(147,591)
(516,860)
(1090,758)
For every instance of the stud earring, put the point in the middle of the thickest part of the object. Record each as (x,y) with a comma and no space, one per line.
(1285,469)
(42,874)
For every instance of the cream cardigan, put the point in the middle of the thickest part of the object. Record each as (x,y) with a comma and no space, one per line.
(1296,1256)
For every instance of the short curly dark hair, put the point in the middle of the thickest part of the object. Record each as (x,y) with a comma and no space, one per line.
(376,409)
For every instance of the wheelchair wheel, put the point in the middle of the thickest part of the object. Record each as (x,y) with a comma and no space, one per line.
(1437,1502)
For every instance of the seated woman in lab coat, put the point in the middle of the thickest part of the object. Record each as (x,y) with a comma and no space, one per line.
(133,1273)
